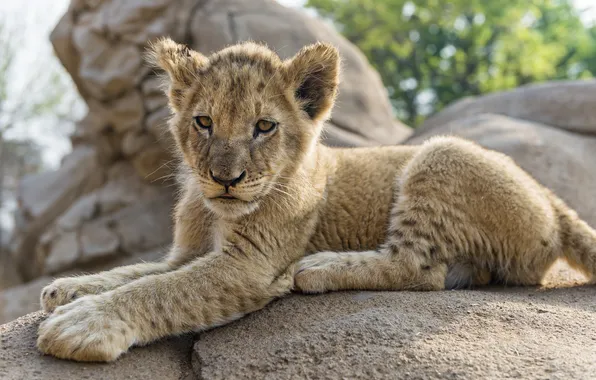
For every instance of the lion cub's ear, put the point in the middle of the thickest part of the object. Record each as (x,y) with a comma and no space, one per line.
(314,74)
(180,63)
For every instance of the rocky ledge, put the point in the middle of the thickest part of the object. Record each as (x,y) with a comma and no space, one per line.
(493,333)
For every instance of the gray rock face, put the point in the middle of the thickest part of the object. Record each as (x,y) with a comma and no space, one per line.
(484,334)
(19,359)
(110,197)
(563,104)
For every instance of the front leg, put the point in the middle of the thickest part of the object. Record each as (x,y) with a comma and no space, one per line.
(210,291)
(67,289)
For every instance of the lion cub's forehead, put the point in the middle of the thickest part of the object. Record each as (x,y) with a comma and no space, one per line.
(249,61)
(240,78)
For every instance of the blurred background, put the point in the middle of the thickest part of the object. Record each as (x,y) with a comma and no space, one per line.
(428,54)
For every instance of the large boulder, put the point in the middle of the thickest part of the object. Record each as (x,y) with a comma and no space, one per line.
(112,195)
(484,334)
(562,104)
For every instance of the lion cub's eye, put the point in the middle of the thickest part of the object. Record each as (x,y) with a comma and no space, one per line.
(204,122)
(264,126)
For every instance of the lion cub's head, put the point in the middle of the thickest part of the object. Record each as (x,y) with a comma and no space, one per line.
(244,119)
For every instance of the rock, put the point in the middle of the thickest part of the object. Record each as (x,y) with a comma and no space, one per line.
(153,102)
(64,252)
(156,125)
(9,276)
(559,159)
(19,359)
(82,210)
(144,226)
(121,114)
(138,21)
(44,197)
(61,38)
(98,241)
(77,239)
(491,333)
(21,300)
(134,141)
(106,69)
(563,104)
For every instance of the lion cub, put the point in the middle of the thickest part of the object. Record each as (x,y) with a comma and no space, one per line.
(267,208)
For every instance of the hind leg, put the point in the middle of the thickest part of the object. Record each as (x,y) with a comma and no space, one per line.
(367,270)
(412,258)
(427,229)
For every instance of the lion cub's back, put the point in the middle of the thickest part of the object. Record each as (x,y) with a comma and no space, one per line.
(360,193)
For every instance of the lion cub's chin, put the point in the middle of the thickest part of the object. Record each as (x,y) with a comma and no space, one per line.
(231,208)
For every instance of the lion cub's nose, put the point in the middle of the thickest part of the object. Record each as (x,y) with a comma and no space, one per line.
(227,182)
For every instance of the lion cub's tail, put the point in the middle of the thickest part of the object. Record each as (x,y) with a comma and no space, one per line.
(579,240)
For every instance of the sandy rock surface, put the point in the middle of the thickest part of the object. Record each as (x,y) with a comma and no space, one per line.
(494,333)
(19,359)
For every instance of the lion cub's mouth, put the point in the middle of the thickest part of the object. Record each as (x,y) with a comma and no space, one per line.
(227,197)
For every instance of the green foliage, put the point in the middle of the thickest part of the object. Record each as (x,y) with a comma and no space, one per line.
(432,52)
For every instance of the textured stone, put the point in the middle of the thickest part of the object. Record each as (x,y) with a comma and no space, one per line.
(44,197)
(9,276)
(21,300)
(121,114)
(484,334)
(154,101)
(63,254)
(134,141)
(563,104)
(138,21)
(80,211)
(145,225)
(98,241)
(156,125)
(106,69)
(151,164)
(168,359)
(44,193)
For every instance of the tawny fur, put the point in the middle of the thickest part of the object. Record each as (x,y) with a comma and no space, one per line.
(447,213)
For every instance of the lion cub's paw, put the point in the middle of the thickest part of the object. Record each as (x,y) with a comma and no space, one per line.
(65,290)
(85,330)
